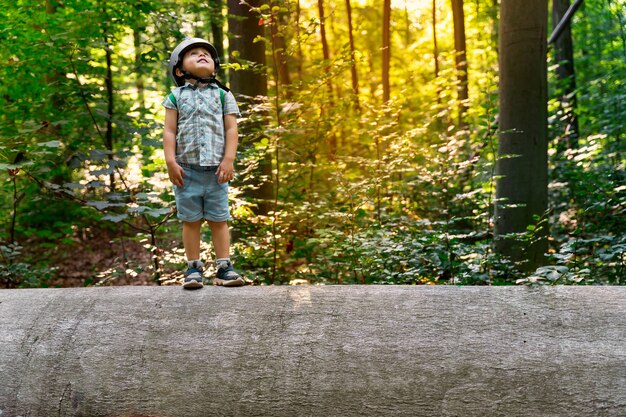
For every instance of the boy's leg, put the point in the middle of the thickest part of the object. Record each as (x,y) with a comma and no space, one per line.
(220,235)
(226,274)
(191,241)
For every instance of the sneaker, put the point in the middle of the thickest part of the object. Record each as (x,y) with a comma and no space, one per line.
(193,276)
(227,276)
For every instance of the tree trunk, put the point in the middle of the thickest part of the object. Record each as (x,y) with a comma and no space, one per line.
(325,48)
(217,26)
(495,25)
(299,37)
(332,139)
(345,351)
(139,72)
(355,77)
(279,46)
(56,104)
(108,81)
(250,84)
(522,165)
(244,28)
(458,16)
(439,119)
(386,49)
(564,57)
(435,47)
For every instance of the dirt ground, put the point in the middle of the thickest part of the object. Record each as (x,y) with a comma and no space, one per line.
(101,257)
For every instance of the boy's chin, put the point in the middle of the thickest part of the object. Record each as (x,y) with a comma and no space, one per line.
(204,74)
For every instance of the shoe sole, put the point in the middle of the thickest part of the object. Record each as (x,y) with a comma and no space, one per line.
(229,282)
(192,285)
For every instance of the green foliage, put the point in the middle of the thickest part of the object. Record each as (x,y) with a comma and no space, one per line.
(407,198)
(16,273)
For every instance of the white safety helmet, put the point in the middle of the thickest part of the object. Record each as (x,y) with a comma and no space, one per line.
(176,58)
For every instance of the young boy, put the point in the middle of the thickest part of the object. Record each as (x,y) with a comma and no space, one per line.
(200,142)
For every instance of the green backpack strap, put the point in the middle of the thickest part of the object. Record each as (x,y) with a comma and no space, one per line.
(173,99)
(222,99)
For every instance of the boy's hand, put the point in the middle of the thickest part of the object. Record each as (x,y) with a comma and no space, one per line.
(176,174)
(226,171)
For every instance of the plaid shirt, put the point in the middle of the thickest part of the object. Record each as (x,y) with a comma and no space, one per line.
(200,138)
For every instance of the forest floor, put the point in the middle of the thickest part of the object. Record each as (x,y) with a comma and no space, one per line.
(97,256)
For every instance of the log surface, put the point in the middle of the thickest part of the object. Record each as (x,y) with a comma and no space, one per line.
(313,351)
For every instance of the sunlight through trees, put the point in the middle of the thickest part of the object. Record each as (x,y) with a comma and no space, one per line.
(377,137)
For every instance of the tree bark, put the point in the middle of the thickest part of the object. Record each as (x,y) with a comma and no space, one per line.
(564,57)
(522,165)
(458,17)
(244,28)
(313,351)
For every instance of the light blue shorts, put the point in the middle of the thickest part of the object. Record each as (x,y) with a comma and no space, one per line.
(201,196)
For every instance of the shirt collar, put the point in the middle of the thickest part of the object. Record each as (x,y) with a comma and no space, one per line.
(193,87)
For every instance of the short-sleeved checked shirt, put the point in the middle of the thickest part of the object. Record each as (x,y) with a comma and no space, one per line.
(200,138)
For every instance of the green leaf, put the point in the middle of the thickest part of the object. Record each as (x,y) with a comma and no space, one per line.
(104,171)
(158,212)
(115,218)
(51,144)
(8,166)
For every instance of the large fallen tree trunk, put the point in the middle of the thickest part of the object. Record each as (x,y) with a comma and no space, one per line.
(313,351)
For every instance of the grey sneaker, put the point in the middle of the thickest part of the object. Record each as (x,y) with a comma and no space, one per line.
(193,276)
(227,276)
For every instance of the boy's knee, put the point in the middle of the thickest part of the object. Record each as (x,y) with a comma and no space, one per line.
(197,223)
(217,224)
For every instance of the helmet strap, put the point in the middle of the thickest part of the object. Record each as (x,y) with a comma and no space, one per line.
(209,80)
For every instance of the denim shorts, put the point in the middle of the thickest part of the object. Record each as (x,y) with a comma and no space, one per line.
(201,196)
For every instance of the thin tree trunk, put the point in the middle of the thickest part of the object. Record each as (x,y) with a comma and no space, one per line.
(108,81)
(139,80)
(217,26)
(495,24)
(326,53)
(355,77)
(386,50)
(436,56)
(564,57)
(435,47)
(298,37)
(407,24)
(57,102)
(325,48)
(279,46)
(522,165)
(458,17)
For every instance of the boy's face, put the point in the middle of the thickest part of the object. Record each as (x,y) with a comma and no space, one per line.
(198,62)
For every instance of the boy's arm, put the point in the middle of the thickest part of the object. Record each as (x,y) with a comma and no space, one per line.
(175,171)
(226,170)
